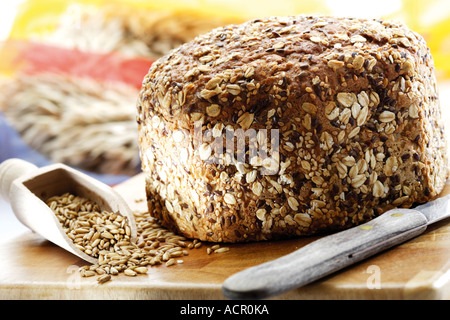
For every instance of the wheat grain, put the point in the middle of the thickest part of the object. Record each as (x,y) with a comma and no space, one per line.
(106,236)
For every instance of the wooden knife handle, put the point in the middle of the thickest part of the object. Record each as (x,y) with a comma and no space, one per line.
(325,256)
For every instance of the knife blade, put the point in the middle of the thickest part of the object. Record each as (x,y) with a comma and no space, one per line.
(435,210)
(334,252)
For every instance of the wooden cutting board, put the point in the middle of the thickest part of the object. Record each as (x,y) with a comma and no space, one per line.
(34,268)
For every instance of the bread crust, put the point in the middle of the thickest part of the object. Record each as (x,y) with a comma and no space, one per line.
(356,107)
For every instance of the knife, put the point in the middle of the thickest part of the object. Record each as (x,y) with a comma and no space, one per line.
(334,252)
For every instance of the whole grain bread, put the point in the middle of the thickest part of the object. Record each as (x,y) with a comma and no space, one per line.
(353,104)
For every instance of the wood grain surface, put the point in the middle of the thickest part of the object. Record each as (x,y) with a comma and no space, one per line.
(34,268)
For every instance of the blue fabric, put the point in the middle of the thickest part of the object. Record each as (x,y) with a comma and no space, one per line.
(13,146)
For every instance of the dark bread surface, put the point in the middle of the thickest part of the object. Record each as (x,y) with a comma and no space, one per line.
(354,101)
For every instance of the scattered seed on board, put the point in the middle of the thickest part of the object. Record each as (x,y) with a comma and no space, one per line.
(217,249)
(104,278)
(197,245)
(130,273)
(141,270)
(224,249)
(171,262)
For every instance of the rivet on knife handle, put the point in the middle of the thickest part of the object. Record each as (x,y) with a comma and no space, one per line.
(325,256)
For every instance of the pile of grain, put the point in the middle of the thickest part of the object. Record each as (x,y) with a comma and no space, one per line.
(106,236)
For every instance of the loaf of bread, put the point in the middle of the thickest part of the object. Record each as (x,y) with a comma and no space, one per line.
(325,123)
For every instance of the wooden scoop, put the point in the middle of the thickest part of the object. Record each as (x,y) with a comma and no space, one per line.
(27,187)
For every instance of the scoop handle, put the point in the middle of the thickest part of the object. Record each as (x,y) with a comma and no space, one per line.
(10,170)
